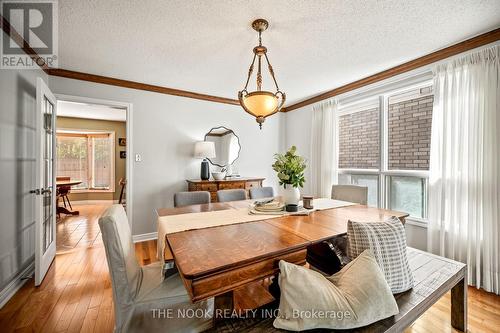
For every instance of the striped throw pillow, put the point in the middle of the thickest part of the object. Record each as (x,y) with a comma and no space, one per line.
(387,241)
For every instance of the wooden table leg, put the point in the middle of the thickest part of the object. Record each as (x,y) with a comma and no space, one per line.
(60,209)
(223,306)
(459,305)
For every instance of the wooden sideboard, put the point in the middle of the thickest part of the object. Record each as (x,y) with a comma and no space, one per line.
(213,186)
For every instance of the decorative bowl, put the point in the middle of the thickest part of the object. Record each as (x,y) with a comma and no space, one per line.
(219,175)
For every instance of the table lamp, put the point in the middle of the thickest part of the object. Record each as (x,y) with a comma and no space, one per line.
(204,150)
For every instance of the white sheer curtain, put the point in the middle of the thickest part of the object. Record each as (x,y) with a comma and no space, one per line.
(464,180)
(323,164)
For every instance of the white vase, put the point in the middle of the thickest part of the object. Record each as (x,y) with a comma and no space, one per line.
(291,195)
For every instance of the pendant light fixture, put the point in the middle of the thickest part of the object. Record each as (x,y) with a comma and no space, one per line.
(261,103)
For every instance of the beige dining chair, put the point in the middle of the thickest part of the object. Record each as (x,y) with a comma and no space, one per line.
(231,195)
(351,193)
(261,192)
(143,299)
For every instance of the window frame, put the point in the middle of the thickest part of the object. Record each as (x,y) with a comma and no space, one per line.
(89,133)
(381,99)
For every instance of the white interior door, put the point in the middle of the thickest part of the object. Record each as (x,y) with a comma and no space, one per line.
(45,223)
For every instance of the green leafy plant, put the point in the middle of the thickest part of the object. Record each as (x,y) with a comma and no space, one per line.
(290,168)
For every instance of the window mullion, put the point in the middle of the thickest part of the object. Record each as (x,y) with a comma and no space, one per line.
(383,151)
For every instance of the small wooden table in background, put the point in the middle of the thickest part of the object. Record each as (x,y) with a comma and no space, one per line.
(60,209)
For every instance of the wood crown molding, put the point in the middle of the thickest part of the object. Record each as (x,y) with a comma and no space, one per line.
(469,44)
(137,85)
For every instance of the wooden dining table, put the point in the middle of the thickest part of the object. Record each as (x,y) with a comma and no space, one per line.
(215,261)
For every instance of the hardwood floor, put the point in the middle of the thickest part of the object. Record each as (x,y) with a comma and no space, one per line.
(76,293)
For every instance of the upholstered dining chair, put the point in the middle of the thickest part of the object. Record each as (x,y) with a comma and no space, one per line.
(351,193)
(231,195)
(139,291)
(261,192)
(191,198)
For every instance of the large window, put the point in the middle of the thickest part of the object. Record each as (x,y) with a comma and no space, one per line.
(86,156)
(384,144)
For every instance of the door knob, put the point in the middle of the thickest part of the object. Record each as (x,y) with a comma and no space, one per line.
(36,191)
(47,190)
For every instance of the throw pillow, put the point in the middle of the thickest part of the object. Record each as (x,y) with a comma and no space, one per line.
(356,296)
(387,241)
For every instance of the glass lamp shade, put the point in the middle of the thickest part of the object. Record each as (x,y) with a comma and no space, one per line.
(260,103)
(204,149)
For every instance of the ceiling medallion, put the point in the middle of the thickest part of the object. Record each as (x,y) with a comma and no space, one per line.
(261,103)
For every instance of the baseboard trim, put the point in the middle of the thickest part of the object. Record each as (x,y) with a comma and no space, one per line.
(145,237)
(94,202)
(16,284)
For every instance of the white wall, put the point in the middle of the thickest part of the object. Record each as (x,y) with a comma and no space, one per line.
(164,131)
(17,170)
(298,132)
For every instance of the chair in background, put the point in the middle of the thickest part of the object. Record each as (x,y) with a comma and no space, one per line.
(123,183)
(63,191)
(351,193)
(231,195)
(191,198)
(137,290)
(261,192)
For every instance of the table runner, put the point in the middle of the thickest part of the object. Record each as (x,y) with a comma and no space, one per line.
(184,222)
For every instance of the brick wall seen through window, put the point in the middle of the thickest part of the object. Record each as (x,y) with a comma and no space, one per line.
(410,132)
(359,140)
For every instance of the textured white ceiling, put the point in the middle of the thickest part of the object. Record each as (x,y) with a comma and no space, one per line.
(206,46)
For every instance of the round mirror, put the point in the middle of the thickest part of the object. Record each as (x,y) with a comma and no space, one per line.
(227,146)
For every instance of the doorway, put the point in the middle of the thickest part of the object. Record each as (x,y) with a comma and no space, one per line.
(92,163)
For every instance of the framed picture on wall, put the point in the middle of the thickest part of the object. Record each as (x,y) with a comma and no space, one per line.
(122,141)
(123,154)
